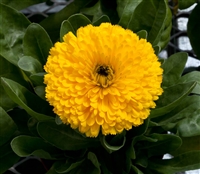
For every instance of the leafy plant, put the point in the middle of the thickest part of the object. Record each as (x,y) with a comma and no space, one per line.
(29,126)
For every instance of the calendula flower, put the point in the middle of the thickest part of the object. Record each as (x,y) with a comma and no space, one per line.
(103,79)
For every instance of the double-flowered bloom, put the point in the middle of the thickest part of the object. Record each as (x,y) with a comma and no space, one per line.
(103,79)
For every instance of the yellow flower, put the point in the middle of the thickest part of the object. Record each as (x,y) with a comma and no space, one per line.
(104,79)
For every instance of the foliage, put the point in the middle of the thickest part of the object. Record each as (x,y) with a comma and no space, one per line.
(29,126)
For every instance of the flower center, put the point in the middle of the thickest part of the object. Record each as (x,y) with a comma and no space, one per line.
(103,75)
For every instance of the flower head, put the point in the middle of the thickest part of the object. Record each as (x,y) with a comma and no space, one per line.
(104,79)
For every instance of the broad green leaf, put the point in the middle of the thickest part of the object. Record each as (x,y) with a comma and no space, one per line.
(185,114)
(166,143)
(171,98)
(109,8)
(126,9)
(7,127)
(188,144)
(27,100)
(151,15)
(25,146)
(157,49)
(94,11)
(40,91)
(136,170)
(93,158)
(32,126)
(37,45)
(102,19)
(20,117)
(182,162)
(141,158)
(58,120)
(142,34)
(183,4)
(193,29)
(7,157)
(192,76)
(57,18)
(65,28)
(18,5)
(69,165)
(52,170)
(110,146)
(173,68)
(37,79)
(85,167)
(185,109)
(190,126)
(72,24)
(137,131)
(12,30)
(29,64)
(10,71)
(77,21)
(165,32)
(64,137)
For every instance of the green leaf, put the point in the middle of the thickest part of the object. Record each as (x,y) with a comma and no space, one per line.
(73,23)
(126,10)
(64,137)
(12,30)
(182,4)
(142,34)
(29,64)
(66,167)
(32,126)
(37,79)
(93,158)
(77,21)
(27,100)
(182,162)
(52,170)
(188,144)
(165,32)
(57,18)
(171,98)
(136,170)
(193,29)
(86,167)
(25,146)
(65,28)
(10,71)
(37,45)
(115,140)
(184,118)
(157,49)
(18,5)
(173,68)
(190,126)
(153,16)
(141,159)
(109,8)
(94,11)
(166,143)
(192,76)
(58,120)
(20,117)
(137,131)
(102,19)
(7,157)
(7,126)
(40,91)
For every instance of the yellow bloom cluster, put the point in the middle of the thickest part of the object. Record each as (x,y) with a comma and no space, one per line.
(104,79)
